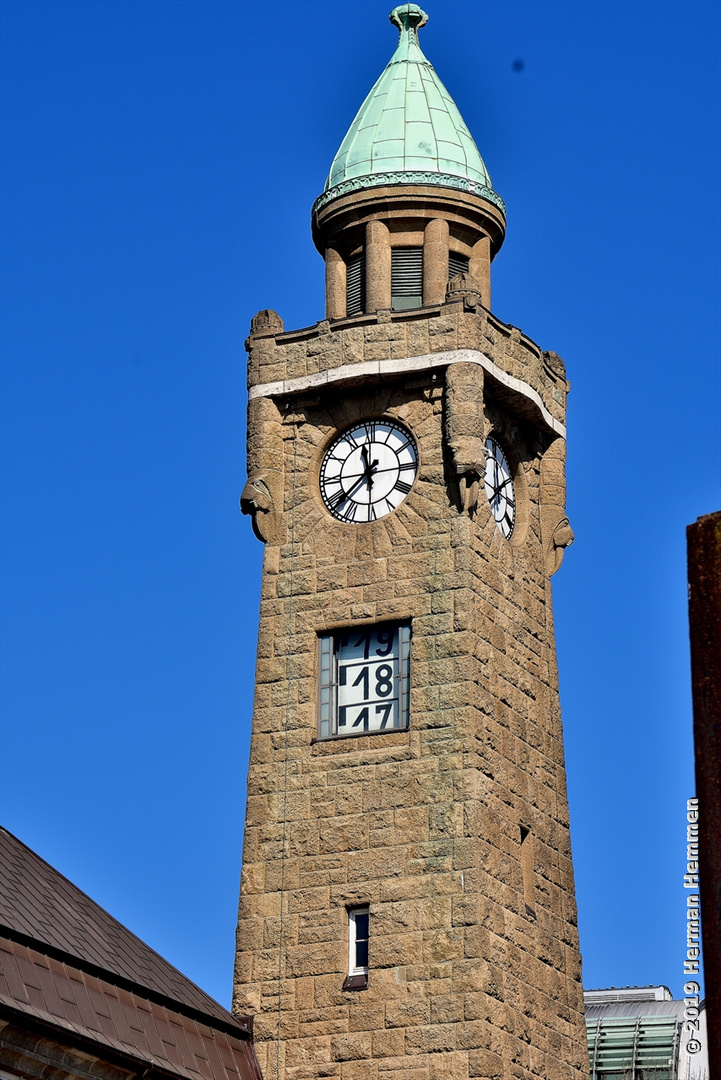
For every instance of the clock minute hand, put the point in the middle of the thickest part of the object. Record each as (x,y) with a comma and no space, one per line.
(357,484)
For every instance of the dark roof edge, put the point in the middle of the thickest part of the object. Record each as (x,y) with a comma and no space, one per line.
(241,1028)
(142,1067)
(86,1043)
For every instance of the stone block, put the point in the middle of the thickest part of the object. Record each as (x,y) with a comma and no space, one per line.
(431,1039)
(315,959)
(409,1013)
(388,1042)
(352,1046)
(446,1008)
(359,1070)
(485,1065)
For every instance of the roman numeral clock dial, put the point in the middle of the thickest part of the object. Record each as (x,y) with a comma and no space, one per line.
(499,488)
(368,470)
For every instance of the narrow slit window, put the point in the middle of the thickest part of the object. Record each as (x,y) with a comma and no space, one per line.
(457,264)
(358,926)
(527,871)
(406,278)
(355,290)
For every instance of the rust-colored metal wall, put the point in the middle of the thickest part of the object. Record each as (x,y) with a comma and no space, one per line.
(704,611)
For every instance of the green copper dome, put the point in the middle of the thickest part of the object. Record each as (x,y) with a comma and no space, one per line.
(408,130)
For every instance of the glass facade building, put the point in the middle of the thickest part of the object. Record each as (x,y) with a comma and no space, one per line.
(642,1033)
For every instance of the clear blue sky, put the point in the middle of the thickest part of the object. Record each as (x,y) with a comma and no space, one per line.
(160,162)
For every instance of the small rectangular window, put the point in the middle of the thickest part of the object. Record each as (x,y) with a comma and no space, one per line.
(406,278)
(358,925)
(364,683)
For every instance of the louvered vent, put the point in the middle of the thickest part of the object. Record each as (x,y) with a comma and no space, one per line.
(457,264)
(638,1046)
(406,278)
(355,289)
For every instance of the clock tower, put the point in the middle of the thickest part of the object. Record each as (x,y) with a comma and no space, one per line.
(407,901)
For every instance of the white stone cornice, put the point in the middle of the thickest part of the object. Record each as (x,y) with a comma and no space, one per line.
(348,373)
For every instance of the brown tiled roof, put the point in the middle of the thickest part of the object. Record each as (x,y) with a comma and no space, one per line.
(69,969)
(59,996)
(39,903)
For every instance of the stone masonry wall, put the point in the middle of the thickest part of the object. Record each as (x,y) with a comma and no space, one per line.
(276,356)
(474,964)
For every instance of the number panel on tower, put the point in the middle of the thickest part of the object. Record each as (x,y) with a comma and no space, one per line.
(364,680)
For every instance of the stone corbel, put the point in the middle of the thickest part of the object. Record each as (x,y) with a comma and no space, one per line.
(561,538)
(555,526)
(261,499)
(465,431)
(262,496)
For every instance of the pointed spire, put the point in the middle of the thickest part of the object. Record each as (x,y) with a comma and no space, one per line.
(408,130)
(409,18)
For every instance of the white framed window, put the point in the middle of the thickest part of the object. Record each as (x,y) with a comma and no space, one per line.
(358,926)
(364,683)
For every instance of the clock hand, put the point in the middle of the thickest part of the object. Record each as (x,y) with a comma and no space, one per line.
(358,477)
(370,468)
(367,474)
(357,484)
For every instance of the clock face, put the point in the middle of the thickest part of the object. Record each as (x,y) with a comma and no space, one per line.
(499,488)
(368,471)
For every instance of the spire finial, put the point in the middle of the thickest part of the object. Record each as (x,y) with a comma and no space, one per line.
(408,17)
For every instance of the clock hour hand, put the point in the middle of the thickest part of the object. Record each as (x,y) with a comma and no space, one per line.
(370,466)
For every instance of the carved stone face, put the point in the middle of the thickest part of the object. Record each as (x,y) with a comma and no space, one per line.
(255,497)
(258,501)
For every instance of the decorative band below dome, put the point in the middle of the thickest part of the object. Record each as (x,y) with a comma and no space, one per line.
(388,179)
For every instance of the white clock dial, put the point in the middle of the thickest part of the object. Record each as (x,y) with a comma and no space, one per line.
(368,471)
(499,488)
